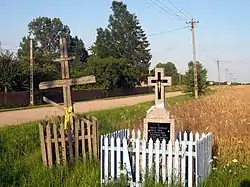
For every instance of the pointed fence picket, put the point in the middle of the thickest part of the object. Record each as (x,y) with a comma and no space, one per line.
(185,161)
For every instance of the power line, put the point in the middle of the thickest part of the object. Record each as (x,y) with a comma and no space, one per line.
(172,30)
(179,9)
(162,8)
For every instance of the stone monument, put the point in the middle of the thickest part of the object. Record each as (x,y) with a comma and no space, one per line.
(157,123)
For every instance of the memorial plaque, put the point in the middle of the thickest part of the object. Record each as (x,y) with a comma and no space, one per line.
(159,130)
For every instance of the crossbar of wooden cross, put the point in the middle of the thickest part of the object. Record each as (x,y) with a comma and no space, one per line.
(66,82)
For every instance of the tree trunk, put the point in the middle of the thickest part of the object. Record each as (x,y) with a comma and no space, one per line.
(5,96)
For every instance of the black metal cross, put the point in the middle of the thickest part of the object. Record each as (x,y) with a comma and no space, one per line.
(159,81)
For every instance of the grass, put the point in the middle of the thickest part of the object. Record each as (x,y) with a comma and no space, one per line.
(6,109)
(20,158)
(224,113)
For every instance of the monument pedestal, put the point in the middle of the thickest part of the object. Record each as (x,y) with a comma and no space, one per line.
(158,125)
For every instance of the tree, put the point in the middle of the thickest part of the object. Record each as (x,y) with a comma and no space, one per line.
(201,77)
(124,38)
(9,68)
(111,72)
(169,70)
(46,34)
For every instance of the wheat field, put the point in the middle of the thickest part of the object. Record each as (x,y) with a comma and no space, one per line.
(227,115)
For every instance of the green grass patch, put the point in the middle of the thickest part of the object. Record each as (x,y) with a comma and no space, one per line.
(21,163)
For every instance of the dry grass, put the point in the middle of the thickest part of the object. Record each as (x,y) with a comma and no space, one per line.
(227,115)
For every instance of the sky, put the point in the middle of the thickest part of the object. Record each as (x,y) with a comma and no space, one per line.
(221,34)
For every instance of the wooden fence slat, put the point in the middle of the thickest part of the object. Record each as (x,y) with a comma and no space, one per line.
(89,126)
(94,138)
(49,146)
(43,146)
(101,157)
(190,160)
(137,162)
(77,123)
(176,163)
(106,159)
(170,162)
(183,163)
(112,158)
(70,142)
(118,156)
(56,143)
(164,166)
(63,143)
(150,155)
(83,139)
(157,160)
(144,161)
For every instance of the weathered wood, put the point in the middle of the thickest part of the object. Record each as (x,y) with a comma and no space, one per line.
(89,126)
(77,121)
(83,140)
(67,82)
(64,157)
(94,139)
(49,146)
(70,144)
(56,144)
(42,143)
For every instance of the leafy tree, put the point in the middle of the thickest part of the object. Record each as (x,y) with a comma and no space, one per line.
(124,38)
(46,35)
(169,70)
(112,72)
(9,68)
(201,77)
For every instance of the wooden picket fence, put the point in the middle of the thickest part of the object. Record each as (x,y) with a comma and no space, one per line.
(58,145)
(185,162)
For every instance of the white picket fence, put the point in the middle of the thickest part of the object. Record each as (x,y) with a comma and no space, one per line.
(185,161)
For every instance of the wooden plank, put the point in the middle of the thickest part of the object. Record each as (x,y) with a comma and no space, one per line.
(67,82)
(106,160)
(94,138)
(157,160)
(170,163)
(176,163)
(144,160)
(83,140)
(49,146)
(70,142)
(163,149)
(137,163)
(77,123)
(89,139)
(150,156)
(42,142)
(63,143)
(56,143)
(118,156)
(190,160)
(112,155)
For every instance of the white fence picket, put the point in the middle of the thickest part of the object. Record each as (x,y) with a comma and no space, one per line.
(176,162)
(186,160)
(112,165)
(157,160)
(118,156)
(170,162)
(137,161)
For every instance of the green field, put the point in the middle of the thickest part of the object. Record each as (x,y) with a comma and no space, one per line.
(21,164)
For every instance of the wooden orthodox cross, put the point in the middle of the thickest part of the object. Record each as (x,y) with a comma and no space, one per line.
(159,81)
(66,82)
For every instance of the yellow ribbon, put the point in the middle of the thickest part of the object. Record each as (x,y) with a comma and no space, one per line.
(67,112)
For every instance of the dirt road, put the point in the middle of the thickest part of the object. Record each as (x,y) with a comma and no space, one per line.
(22,116)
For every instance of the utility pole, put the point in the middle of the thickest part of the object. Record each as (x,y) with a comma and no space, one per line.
(193,22)
(31,74)
(227,74)
(218,66)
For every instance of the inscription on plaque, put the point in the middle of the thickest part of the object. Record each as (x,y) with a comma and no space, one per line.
(159,131)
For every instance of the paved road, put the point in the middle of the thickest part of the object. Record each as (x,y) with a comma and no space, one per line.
(22,116)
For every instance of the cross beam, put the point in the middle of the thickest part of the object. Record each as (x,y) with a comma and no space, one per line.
(66,82)
(159,81)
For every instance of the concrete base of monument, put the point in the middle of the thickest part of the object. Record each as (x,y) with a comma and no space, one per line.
(158,125)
